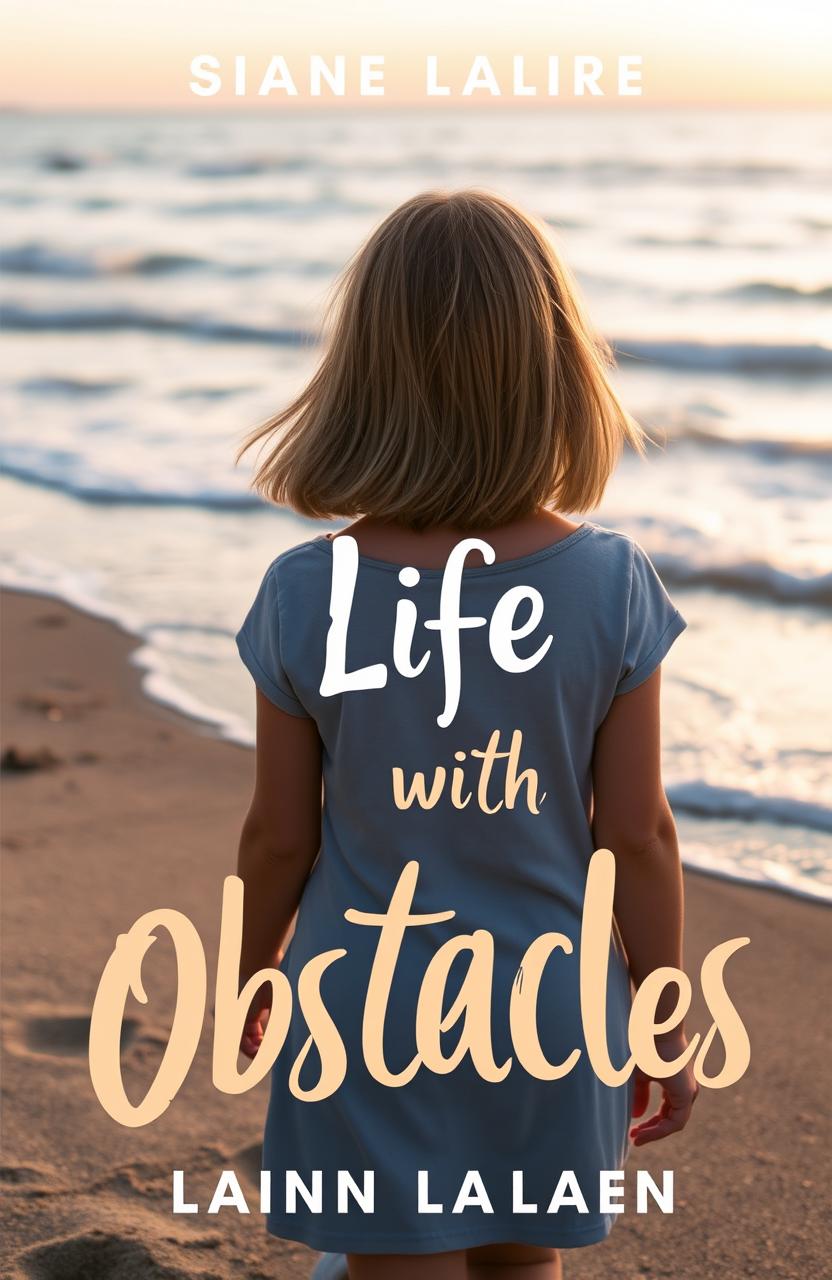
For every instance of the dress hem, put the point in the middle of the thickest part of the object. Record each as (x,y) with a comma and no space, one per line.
(445,1241)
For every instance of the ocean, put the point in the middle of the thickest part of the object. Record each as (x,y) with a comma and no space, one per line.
(163,279)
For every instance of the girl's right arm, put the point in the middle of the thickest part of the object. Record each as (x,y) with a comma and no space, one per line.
(632,817)
(279,843)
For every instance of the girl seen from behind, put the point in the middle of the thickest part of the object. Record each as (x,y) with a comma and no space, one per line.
(461,395)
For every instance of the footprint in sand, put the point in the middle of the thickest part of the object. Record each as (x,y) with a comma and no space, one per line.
(62,1035)
(56,709)
(30,1180)
(140,1178)
(96,1255)
(249,1160)
(21,760)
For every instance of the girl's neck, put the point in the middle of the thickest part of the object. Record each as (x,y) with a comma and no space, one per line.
(429,548)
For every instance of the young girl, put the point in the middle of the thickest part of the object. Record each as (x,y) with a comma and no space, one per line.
(462,395)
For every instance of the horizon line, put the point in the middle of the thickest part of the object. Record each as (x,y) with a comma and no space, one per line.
(375,106)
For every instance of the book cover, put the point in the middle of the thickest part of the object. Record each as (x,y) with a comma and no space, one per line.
(417,824)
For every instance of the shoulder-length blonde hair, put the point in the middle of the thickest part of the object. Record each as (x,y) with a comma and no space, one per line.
(461,384)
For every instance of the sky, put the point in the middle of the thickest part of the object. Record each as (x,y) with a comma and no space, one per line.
(110,53)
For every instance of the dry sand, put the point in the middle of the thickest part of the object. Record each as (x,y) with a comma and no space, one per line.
(133,807)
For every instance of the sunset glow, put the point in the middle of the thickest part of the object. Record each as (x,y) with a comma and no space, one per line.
(99,54)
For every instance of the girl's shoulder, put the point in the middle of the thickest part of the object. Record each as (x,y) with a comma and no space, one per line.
(633,600)
(302,564)
(595,560)
(611,544)
(618,560)
(302,553)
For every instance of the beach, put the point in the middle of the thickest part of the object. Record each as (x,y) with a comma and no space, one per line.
(163,283)
(115,805)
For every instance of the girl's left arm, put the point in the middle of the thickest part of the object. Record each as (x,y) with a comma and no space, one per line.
(279,843)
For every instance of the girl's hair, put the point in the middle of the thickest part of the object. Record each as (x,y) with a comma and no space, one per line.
(461,384)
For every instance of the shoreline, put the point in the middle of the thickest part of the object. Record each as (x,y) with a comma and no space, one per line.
(134,806)
(163,691)
(156,685)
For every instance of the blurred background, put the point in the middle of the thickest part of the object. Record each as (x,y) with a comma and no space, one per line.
(164,268)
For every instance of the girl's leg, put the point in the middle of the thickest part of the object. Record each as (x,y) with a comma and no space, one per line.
(513,1262)
(404,1266)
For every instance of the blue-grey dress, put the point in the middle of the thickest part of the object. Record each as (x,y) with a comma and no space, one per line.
(512,872)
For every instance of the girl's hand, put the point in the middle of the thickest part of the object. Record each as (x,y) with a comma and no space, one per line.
(679,1093)
(256,1019)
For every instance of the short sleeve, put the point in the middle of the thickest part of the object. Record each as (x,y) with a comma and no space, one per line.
(653,623)
(258,643)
